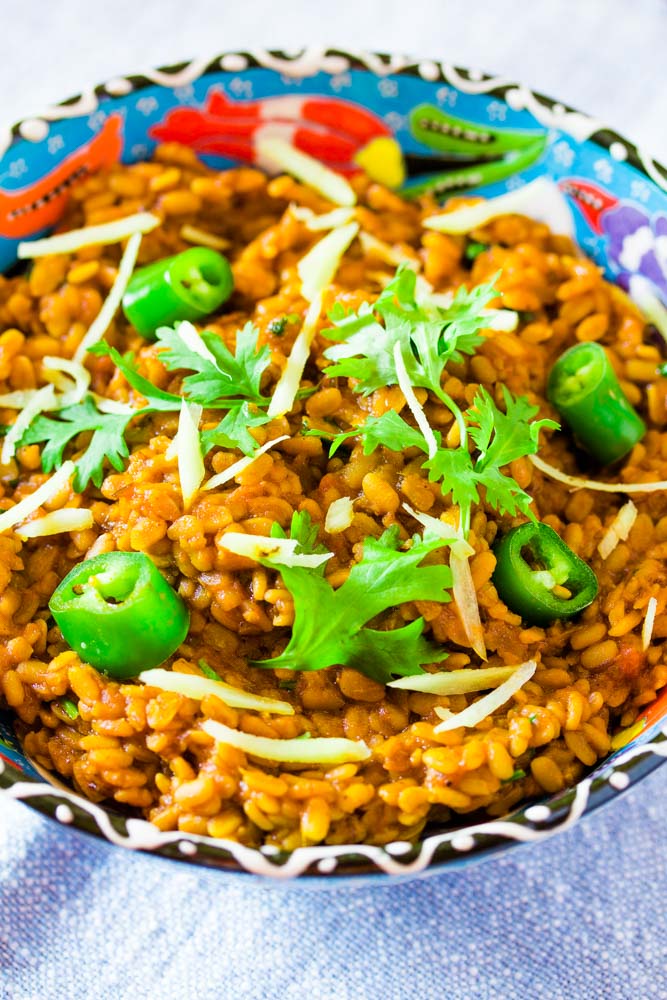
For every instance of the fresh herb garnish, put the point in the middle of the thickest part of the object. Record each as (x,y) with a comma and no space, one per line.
(303,531)
(108,429)
(233,430)
(69,708)
(106,444)
(474,249)
(516,776)
(499,438)
(429,336)
(278,325)
(207,671)
(330,626)
(158,400)
(389,430)
(215,383)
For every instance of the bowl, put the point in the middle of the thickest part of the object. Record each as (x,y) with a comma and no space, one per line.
(403,120)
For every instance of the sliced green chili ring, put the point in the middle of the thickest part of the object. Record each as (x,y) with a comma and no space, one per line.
(119,613)
(474,175)
(189,286)
(441,131)
(532,561)
(584,389)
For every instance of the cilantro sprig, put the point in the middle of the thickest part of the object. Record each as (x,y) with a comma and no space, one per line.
(231,382)
(429,337)
(232,431)
(226,380)
(331,626)
(218,380)
(106,444)
(498,438)
(389,430)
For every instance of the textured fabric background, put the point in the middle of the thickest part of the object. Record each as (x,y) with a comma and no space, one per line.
(578,918)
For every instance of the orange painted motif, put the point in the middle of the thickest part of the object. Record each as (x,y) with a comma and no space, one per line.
(28,210)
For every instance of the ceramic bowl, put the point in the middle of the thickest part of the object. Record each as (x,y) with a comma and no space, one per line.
(403,121)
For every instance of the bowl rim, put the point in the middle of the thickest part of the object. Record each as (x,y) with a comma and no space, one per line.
(531,822)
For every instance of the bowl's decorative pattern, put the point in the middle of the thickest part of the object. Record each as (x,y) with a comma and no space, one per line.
(414,126)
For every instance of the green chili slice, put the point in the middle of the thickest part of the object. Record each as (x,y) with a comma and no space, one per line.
(534,567)
(189,286)
(584,389)
(119,613)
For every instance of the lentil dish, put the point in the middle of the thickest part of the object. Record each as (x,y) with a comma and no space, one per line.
(142,748)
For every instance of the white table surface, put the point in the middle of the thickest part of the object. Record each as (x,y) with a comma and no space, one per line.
(606,57)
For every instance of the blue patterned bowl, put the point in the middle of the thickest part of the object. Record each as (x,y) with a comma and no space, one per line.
(403,121)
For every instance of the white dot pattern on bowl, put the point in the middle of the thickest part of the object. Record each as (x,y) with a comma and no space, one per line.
(34,129)
(64,814)
(429,70)
(538,814)
(187,847)
(327,865)
(118,86)
(233,62)
(463,842)
(398,847)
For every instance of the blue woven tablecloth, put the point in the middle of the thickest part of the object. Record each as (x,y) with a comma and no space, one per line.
(580,917)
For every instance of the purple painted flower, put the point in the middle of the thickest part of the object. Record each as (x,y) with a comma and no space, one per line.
(637,244)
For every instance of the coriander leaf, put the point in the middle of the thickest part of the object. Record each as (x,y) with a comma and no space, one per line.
(329,624)
(392,432)
(503,437)
(277,326)
(504,494)
(429,335)
(305,533)
(70,708)
(400,293)
(500,439)
(397,652)
(157,398)
(107,443)
(336,439)
(347,322)
(208,671)
(454,467)
(389,430)
(233,432)
(214,383)
(515,776)
(368,355)
(464,318)
(4,429)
